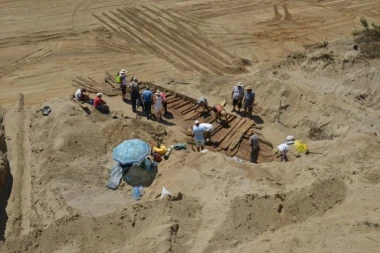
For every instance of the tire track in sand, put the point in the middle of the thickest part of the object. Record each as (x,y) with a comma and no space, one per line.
(19,153)
(34,57)
(170,37)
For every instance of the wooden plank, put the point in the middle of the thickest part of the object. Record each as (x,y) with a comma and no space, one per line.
(181,106)
(227,142)
(98,87)
(188,108)
(85,80)
(238,138)
(111,77)
(178,102)
(223,133)
(81,86)
(88,88)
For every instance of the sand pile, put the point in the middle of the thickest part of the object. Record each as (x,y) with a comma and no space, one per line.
(326,95)
(218,204)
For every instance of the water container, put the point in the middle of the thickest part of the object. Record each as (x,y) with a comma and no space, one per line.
(137,192)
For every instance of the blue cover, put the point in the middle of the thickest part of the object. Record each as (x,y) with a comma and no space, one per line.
(131,151)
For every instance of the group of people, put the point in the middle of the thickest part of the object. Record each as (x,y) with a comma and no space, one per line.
(147,98)
(218,109)
(98,103)
(243,99)
(254,142)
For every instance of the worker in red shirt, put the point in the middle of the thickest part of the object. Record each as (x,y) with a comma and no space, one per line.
(100,104)
(164,102)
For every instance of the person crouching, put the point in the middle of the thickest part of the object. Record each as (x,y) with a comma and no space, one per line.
(100,104)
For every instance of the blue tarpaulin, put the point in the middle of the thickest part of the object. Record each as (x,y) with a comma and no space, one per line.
(131,151)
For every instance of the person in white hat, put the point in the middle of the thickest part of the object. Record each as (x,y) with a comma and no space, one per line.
(123,83)
(199,134)
(249,99)
(157,100)
(237,96)
(100,104)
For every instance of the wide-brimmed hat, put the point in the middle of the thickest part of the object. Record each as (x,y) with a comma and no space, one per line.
(158,92)
(99,94)
(249,88)
(123,71)
(239,84)
(275,151)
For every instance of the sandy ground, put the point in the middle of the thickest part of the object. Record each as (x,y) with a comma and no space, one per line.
(325,94)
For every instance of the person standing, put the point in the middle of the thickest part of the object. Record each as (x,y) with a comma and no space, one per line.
(164,102)
(134,89)
(198,133)
(158,105)
(208,130)
(123,83)
(219,112)
(254,143)
(249,99)
(202,102)
(147,97)
(237,96)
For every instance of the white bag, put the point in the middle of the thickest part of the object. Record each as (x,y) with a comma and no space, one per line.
(165,193)
(290,138)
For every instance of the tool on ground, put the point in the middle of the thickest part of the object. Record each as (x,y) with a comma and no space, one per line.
(166,156)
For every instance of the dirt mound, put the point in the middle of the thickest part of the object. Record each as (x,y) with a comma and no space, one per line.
(253,214)
(155,226)
(117,131)
(371,177)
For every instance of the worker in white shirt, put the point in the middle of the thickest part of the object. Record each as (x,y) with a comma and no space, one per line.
(281,150)
(208,130)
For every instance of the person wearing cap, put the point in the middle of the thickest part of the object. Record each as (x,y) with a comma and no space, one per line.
(249,99)
(134,89)
(208,130)
(157,100)
(199,134)
(202,102)
(220,112)
(237,96)
(123,83)
(81,95)
(283,150)
(147,97)
(254,143)
(100,104)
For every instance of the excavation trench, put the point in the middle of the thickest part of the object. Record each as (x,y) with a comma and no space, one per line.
(230,139)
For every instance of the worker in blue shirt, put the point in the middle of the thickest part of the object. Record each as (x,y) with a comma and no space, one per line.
(147,97)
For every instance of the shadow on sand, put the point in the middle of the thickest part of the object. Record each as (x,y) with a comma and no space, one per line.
(4,202)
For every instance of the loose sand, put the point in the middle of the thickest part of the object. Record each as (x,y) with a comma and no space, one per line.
(327,94)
